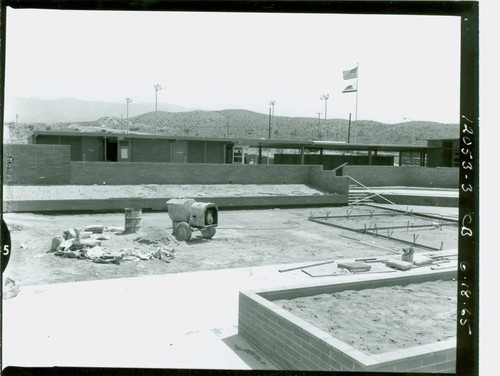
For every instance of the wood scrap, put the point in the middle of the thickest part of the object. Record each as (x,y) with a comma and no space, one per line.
(399,264)
(355,266)
(306,266)
(420,260)
(329,274)
(366,259)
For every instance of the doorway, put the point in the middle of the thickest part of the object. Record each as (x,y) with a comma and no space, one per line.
(111,150)
(179,152)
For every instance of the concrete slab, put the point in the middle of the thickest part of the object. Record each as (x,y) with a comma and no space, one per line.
(413,191)
(184,320)
(413,196)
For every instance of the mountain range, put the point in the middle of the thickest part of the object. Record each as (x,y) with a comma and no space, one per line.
(231,123)
(34,110)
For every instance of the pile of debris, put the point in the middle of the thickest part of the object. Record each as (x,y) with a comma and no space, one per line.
(86,245)
(10,289)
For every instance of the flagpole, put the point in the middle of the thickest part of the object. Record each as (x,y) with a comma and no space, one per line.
(357,89)
(349,75)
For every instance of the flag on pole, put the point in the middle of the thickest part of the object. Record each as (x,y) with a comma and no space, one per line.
(350,89)
(350,74)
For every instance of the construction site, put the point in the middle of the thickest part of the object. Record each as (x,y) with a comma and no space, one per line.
(241,187)
(228,266)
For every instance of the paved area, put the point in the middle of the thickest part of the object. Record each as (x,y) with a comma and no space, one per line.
(184,320)
(409,191)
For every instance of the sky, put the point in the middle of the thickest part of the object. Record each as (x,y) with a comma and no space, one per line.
(409,66)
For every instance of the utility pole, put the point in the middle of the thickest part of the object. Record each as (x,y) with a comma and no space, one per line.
(269,128)
(157,87)
(129,100)
(271,116)
(325,98)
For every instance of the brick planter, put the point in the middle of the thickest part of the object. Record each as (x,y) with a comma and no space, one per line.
(294,344)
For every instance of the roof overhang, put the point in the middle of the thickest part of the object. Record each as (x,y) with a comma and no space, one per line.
(332,145)
(121,135)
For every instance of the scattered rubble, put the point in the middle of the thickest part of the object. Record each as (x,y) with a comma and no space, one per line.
(87,245)
(70,234)
(96,229)
(108,259)
(56,243)
(10,289)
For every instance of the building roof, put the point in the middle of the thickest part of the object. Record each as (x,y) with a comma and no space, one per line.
(122,135)
(273,143)
(333,145)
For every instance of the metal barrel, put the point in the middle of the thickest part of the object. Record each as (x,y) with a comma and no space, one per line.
(133,218)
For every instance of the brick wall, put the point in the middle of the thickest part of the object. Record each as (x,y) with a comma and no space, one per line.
(285,342)
(118,204)
(327,180)
(405,176)
(294,344)
(331,161)
(36,164)
(449,202)
(442,177)
(191,173)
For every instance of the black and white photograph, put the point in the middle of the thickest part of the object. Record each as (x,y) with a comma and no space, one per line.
(236,186)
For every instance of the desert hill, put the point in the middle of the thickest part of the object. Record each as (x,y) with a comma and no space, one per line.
(246,124)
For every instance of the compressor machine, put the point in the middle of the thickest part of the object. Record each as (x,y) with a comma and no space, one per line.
(188,215)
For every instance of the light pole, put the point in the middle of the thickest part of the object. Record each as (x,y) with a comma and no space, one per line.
(157,87)
(129,100)
(271,116)
(325,98)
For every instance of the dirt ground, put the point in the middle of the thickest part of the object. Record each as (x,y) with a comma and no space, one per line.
(103,191)
(387,319)
(244,238)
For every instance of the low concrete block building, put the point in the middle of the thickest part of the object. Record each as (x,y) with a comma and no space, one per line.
(120,147)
